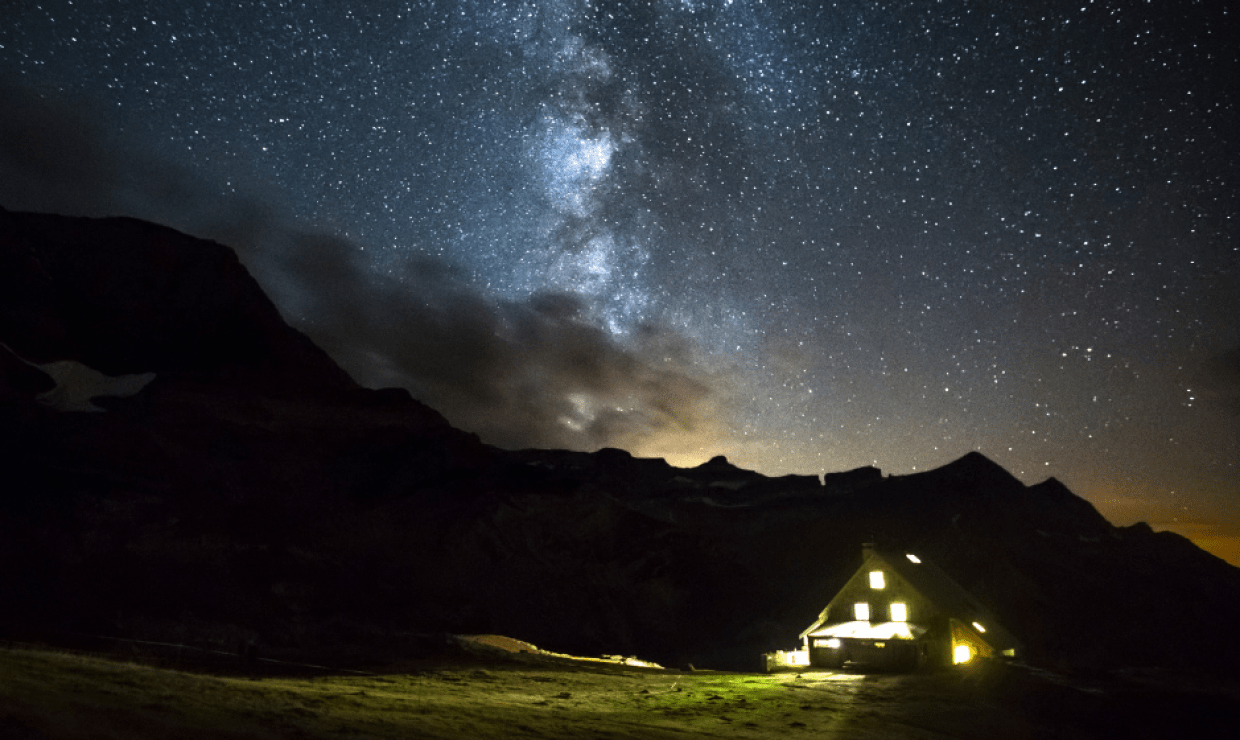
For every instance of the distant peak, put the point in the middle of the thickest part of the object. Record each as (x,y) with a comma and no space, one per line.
(976,458)
(1053,483)
(977,466)
(614,453)
(718,466)
(718,461)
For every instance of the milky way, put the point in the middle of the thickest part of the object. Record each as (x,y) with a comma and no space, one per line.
(809,236)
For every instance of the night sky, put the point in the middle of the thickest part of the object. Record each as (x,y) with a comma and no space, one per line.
(809,236)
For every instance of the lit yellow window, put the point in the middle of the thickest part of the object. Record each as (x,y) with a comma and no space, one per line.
(962,654)
(899,612)
(876,579)
(861,611)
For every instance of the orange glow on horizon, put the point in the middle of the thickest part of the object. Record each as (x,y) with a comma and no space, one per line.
(1209,537)
(1121,504)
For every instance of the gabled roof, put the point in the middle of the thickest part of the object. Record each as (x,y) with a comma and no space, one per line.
(933,585)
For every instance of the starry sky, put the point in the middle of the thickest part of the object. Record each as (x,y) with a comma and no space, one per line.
(807,235)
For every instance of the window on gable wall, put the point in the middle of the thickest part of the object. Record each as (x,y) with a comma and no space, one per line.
(899,612)
(876,579)
(861,611)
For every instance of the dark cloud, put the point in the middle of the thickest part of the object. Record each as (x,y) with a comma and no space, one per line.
(538,372)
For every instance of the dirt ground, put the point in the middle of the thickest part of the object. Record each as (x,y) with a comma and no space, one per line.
(46,694)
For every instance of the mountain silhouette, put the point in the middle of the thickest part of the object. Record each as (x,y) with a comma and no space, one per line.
(252,491)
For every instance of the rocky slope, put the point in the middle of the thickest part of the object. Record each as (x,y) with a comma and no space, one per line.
(250,490)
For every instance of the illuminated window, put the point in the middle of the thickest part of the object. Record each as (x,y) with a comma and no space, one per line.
(979,627)
(912,558)
(876,579)
(834,642)
(899,612)
(962,654)
(861,611)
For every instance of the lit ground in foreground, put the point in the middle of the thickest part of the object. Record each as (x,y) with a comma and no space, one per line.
(45,694)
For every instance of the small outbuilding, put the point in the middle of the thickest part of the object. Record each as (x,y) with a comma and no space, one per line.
(899,611)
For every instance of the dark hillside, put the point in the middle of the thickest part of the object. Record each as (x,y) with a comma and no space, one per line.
(251,491)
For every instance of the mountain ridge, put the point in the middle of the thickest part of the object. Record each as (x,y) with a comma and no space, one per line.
(253,491)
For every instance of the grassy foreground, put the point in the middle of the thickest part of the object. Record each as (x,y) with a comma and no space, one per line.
(47,694)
